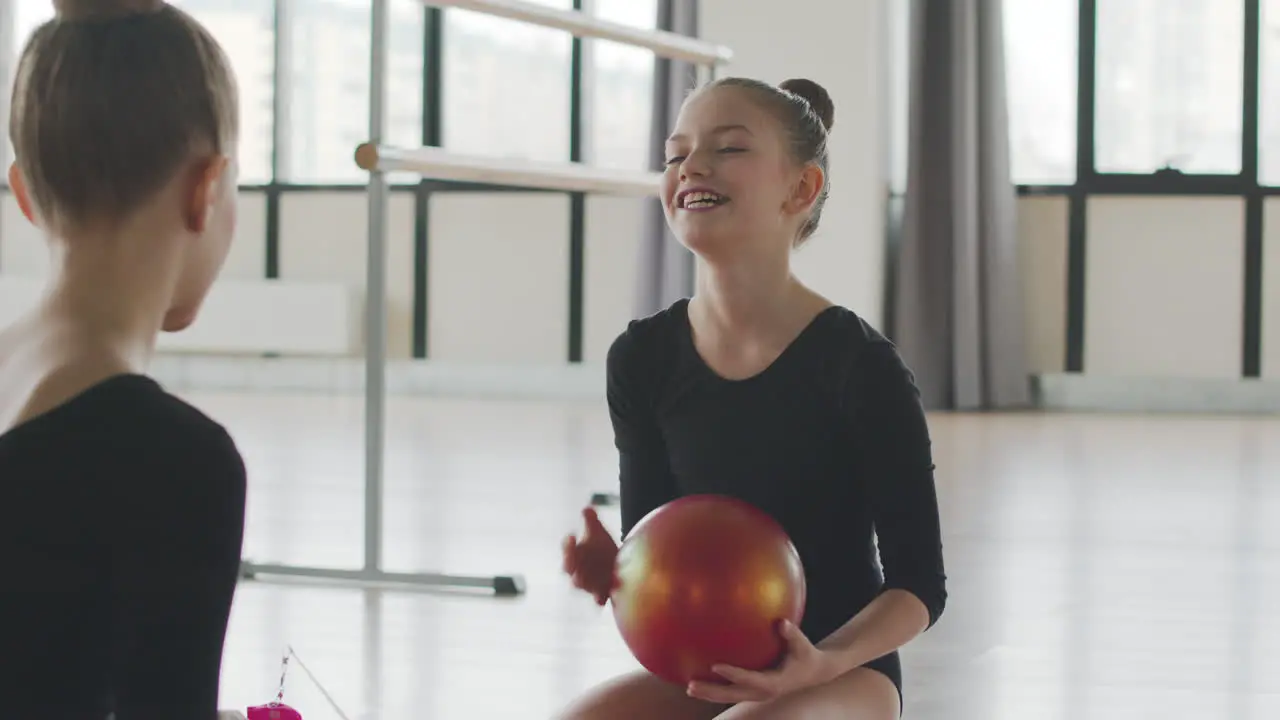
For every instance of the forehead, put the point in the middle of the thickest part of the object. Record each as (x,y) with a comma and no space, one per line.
(720,108)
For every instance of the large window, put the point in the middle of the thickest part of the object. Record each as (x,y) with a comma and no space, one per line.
(506,86)
(27,16)
(1040,40)
(1170,80)
(1269,95)
(622,90)
(328,86)
(246,31)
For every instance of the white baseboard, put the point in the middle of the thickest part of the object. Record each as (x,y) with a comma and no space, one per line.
(1057,392)
(197,373)
(1084,392)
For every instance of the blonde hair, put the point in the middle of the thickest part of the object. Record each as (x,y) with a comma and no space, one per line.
(112,97)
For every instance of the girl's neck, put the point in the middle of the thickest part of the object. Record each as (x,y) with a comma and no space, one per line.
(109,297)
(745,297)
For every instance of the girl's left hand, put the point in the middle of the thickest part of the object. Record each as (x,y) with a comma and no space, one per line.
(804,666)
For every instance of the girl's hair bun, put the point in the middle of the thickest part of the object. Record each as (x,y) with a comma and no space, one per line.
(817,97)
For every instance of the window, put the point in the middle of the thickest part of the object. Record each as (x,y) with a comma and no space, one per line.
(27,16)
(506,86)
(621,90)
(899,42)
(1269,95)
(328,86)
(1170,76)
(246,31)
(1040,40)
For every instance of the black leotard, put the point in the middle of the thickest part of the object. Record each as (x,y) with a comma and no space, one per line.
(830,439)
(121,522)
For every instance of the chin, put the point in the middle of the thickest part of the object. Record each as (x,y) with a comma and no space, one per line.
(706,242)
(179,319)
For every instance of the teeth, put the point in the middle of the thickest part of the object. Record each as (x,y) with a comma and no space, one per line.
(702,200)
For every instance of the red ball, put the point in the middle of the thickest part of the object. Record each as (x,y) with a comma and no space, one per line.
(707,580)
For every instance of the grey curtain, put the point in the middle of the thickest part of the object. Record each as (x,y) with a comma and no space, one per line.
(666,268)
(957,311)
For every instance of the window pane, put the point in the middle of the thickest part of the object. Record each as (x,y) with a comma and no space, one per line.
(899,44)
(27,16)
(328,92)
(1269,95)
(506,86)
(246,31)
(621,90)
(1040,39)
(1170,76)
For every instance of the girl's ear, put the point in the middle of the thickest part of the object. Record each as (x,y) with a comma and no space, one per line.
(806,190)
(19,187)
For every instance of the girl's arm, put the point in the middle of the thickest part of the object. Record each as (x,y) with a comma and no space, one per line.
(175,563)
(645,478)
(892,436)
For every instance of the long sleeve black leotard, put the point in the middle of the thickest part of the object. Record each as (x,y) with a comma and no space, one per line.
(831,440)
(121,522)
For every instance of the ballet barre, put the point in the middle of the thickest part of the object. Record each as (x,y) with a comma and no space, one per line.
(438,164)
(432,163)
(662,43)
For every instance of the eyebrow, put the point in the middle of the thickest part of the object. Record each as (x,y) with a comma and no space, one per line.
(718,130)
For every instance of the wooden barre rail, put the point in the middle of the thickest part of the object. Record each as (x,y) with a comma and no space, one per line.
(661,42)
(438,164)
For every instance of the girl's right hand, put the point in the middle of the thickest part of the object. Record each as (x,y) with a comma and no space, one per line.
(591,560)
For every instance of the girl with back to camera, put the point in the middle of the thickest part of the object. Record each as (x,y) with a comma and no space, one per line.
(121,507)
(759,388)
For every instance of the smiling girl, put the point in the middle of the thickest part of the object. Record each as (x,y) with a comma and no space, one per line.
(759,388)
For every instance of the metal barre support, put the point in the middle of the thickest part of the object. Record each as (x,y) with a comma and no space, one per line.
(368,157)
(375,384)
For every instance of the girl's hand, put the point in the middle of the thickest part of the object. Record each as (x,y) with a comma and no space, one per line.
(804,666)
(591,560)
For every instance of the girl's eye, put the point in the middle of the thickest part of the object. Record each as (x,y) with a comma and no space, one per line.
(672,161)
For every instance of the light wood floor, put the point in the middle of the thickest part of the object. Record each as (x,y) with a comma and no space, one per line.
(1100,566)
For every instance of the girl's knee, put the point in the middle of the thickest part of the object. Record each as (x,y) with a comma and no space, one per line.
(638,696)
(861,694)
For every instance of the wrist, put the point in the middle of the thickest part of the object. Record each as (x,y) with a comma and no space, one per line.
(840,657)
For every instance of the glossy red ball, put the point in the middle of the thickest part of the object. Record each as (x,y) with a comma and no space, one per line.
(705,580)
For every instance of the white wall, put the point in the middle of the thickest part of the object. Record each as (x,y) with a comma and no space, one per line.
(1164,287)
(1271,290)
(499,277)
(1042,235)
(842,46)
(323,237)
(1155,266)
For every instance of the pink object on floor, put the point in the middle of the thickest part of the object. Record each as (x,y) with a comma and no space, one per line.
(274,711)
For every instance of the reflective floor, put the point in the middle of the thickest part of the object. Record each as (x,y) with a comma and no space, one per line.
(1100,566)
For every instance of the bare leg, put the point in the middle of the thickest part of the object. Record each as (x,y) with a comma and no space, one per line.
(639,696)
(860,694)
